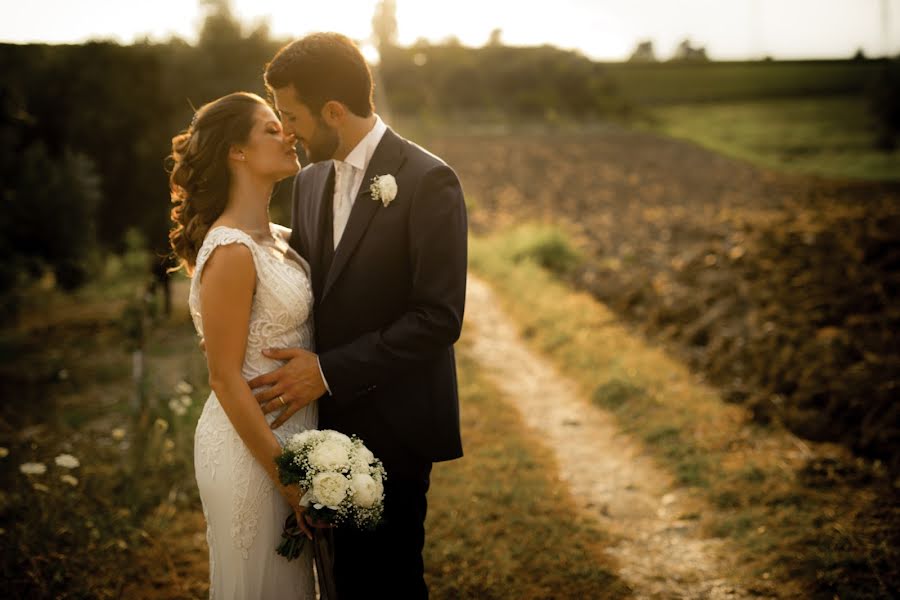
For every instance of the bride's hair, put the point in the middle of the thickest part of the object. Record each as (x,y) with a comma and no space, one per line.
(199,178)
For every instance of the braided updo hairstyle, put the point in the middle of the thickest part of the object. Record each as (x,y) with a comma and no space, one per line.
(199,178)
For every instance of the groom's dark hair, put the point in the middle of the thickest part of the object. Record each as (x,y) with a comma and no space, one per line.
(323,67)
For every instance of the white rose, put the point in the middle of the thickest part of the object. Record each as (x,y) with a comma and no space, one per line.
(337,436)
(384,189)
(329,455)
(365,490)
(68,461)
(365,454)
(330,489)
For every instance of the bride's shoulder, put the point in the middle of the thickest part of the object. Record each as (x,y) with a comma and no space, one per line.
(220,236)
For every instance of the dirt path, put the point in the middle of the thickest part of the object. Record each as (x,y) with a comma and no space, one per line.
(661,555)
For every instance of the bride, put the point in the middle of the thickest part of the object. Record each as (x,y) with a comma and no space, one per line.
(249,291)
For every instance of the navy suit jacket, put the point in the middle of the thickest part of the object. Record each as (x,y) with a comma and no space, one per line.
(389,303)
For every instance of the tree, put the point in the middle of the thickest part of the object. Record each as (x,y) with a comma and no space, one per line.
(689,53)
(643,53)
(384,25)
(495,39)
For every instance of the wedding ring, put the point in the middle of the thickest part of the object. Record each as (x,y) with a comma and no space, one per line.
(281,399)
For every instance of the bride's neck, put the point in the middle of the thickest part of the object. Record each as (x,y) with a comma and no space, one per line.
(248,204)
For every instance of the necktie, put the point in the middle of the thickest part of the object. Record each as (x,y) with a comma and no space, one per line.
(342,202)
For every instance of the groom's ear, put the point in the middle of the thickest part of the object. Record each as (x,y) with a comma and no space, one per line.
(334,112)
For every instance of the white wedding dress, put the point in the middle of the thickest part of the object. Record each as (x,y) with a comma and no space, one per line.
(244,512)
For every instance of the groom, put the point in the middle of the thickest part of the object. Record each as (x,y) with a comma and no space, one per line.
(388,268)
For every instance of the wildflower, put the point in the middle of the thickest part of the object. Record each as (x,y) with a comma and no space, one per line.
(67,461)
(176,407)
(4,452)
(118,434)
(183,387)
(161,424)
(33,468)
(73,481)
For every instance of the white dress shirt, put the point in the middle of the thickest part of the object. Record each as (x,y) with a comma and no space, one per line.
(348,179)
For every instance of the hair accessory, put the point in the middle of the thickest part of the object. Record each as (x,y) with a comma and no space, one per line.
(194,120)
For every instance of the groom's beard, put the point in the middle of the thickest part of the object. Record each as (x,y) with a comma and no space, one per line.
(324,143)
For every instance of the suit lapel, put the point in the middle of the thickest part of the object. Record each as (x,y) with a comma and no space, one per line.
(320,226)
(387,159)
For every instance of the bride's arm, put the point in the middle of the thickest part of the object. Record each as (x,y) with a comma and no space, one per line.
(226,294)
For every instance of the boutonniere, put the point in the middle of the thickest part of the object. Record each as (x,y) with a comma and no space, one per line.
(384,188)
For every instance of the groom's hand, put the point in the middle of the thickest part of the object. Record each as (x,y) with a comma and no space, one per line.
(294,385)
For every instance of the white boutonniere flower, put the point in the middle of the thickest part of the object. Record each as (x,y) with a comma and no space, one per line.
(384,188)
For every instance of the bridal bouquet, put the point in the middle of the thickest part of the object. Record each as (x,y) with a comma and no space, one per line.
(344,483)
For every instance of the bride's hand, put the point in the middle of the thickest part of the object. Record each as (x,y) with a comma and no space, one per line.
(293,494)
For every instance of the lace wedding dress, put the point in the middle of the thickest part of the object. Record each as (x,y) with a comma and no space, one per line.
(243,509)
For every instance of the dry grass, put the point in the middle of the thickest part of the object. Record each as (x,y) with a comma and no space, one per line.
(500,523)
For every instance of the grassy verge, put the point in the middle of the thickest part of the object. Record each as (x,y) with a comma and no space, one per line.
(828,136)
(67,378)
(794,524)
(500,523)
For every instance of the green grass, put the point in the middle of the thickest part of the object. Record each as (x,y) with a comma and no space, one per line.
(751,476)
(500,524)
(672,82)
(828,136)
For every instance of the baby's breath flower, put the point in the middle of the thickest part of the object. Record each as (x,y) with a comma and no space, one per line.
(33,468)
(67,461)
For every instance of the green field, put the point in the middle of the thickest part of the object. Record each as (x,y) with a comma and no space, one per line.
(671,83)
(829,136)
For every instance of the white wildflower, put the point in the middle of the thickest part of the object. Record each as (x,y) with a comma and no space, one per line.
(73,481)
(40,487)
(183,387)
(169,444)
(177,407)
(4,452)
(33,468)
(67,461)
(185,400)
(118,434)
(161,424)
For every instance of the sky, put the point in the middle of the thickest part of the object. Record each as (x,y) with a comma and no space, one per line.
(601,29)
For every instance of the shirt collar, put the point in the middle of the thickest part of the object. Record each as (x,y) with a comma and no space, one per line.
(360,156)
